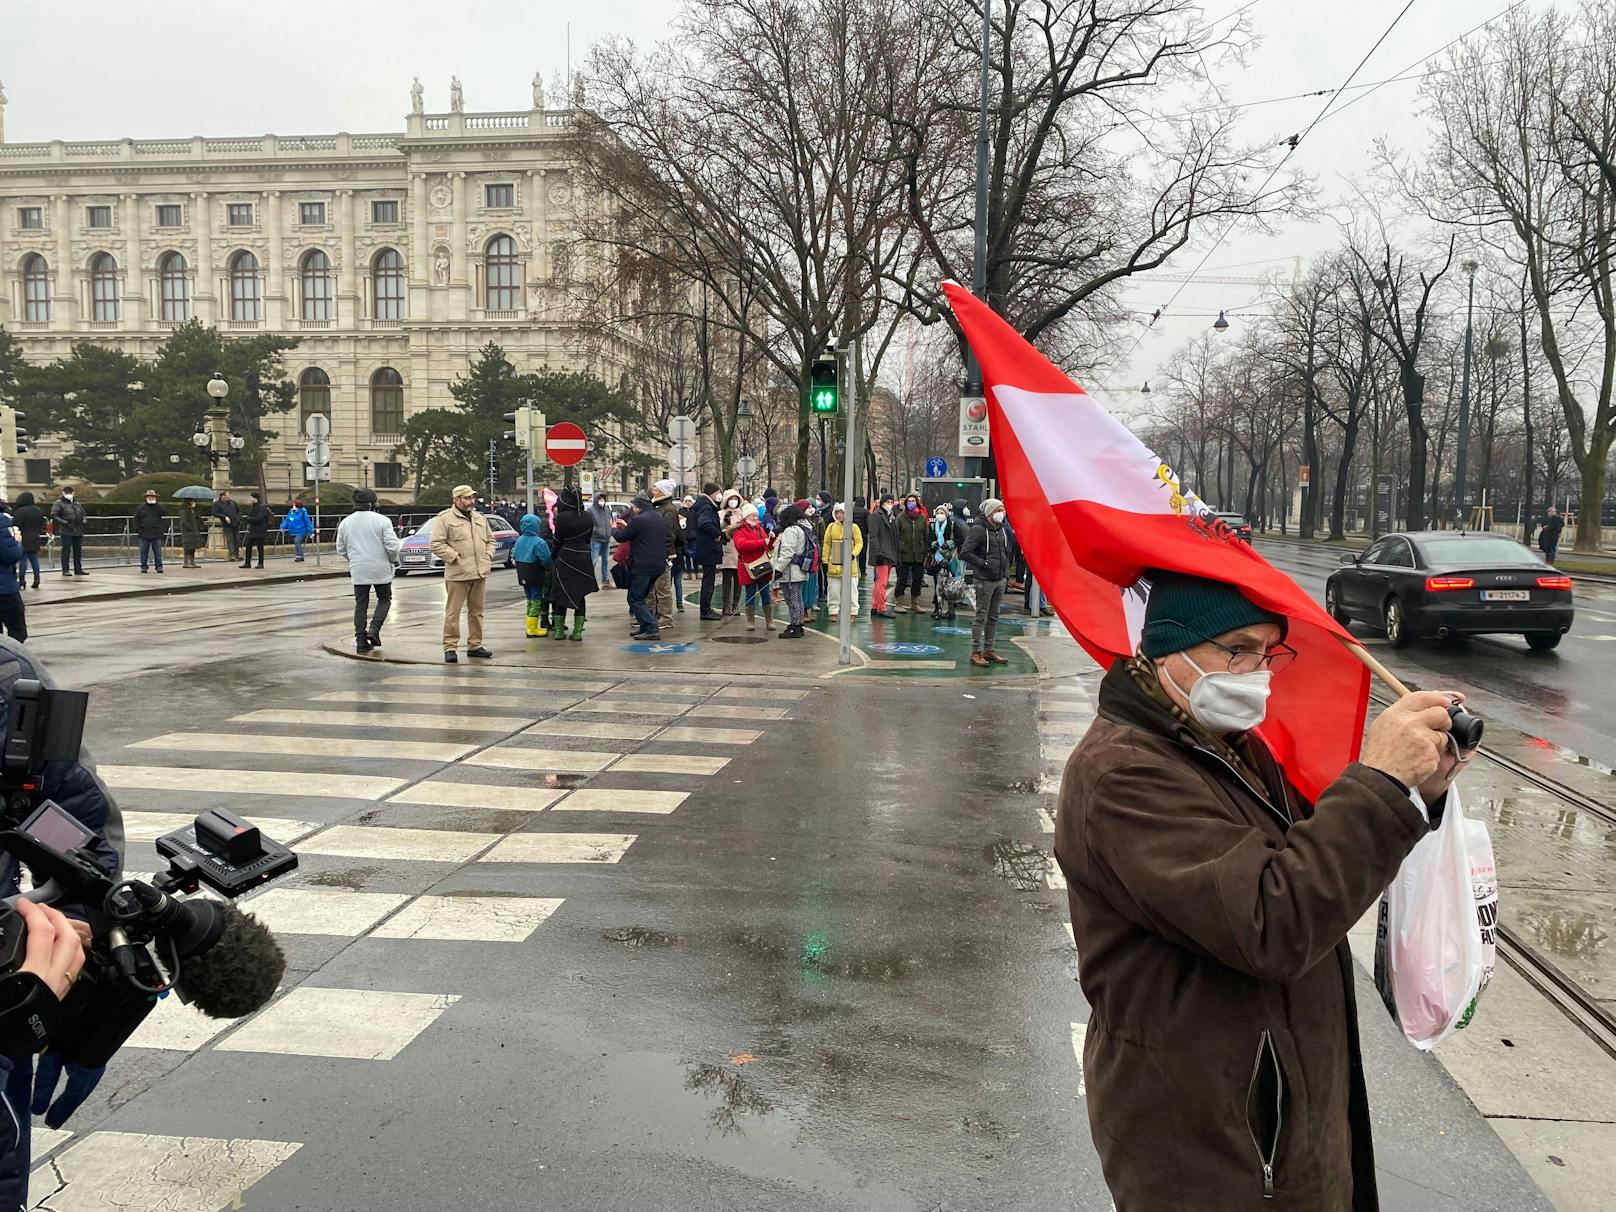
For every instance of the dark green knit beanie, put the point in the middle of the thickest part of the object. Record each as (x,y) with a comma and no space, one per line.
(1184,611)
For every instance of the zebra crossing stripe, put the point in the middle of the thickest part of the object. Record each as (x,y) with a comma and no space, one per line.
(561,848)
(356,1024)
(218,782)
(176,1173)
(469,919)
(444,722)
(559,761)
(376,842)
(605,799)
(478,795)
(306,746)
(149,826)
(709,736)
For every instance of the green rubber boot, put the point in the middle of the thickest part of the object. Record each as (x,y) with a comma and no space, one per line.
(558,629)
(577,627)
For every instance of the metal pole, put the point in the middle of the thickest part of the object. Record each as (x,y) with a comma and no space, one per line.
(1462,467)
(530,474)
(845,628)
(979,267)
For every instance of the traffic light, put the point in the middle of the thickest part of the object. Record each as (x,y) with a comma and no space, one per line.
(13,437)
(522,421)
(823,400)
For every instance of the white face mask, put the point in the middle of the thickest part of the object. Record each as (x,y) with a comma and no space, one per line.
(997,517)
(1227,702)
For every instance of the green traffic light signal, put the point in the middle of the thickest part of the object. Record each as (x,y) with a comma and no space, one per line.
(823,400)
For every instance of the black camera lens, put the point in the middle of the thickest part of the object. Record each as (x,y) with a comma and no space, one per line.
(1467,728)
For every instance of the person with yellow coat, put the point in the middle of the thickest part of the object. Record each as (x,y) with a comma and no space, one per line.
(835,542)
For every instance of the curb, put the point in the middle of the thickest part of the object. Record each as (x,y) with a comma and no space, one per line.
(181,588)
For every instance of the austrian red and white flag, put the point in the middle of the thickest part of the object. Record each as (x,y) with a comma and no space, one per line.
(1094,509)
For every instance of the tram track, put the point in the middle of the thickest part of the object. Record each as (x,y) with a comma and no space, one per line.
(1586,1012)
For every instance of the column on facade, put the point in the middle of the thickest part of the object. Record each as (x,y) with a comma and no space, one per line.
(203,284)
(459,279)
(420,267)
(348,308)
(136,289)
(275,311)
(10,276)
(65,308)
(538,210)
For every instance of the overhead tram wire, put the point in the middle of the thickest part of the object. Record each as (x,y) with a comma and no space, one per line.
(1295,142)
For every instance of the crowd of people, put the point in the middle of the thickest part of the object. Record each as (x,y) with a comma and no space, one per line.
(748,557)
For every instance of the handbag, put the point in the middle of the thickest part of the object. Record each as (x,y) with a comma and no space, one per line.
(760,571)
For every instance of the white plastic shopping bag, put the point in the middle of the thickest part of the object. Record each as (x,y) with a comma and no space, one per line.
(1434,948)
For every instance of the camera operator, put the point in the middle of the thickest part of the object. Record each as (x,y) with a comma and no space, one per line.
(54,948)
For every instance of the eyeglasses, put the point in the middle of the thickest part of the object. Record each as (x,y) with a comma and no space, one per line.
(1278,656)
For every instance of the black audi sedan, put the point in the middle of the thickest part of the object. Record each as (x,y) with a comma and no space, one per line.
(1450,583)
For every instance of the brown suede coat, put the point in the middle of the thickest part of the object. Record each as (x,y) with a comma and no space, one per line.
(1210,905)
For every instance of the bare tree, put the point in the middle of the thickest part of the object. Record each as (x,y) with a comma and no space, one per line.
(1528,117)
(1089,181)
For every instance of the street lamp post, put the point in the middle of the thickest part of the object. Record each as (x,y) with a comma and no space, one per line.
(216,439)
(1462,464)
(364,468)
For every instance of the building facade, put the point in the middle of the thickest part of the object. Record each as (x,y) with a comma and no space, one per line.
(392,258)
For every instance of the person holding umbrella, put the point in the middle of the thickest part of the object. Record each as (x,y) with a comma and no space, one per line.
(193,525)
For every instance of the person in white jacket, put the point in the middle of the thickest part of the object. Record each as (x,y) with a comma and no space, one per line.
(367,540)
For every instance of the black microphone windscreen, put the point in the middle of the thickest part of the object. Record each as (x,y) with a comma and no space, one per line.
(239,973)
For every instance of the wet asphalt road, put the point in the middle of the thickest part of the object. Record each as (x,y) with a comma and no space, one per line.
(834,977)
(1567,696)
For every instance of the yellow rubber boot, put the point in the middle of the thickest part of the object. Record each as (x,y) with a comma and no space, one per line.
(533,626)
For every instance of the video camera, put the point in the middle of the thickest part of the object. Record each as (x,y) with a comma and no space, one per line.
(144,942)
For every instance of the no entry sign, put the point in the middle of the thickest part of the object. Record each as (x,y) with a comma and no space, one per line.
(564,443)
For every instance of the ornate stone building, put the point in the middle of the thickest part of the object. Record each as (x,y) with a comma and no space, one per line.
(390,257)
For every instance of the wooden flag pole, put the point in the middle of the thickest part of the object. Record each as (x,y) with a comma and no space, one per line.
(1373,665)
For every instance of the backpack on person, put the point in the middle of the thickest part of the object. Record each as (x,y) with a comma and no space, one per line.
(807,560)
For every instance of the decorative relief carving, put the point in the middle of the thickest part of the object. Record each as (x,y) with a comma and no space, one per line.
(499,153)
(560,193)
(440,196)
(440,265)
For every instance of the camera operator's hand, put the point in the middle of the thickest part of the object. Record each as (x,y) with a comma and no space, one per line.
(1453,761)
(55,950)
(1409,738)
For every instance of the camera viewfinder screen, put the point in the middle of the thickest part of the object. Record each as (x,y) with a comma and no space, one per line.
(53,827)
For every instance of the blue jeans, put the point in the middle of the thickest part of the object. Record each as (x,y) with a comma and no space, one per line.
(297,546)
(597,552)
(639,588)
(678,571)
(153,548)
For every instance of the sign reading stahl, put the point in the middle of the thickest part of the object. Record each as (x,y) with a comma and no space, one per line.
(973,427)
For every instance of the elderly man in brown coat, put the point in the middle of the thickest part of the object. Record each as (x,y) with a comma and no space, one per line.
(1210,905)
(462,539)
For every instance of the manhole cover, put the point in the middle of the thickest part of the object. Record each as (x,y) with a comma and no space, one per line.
(740,639)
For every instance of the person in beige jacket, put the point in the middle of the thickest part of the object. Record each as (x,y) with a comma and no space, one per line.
(461,538)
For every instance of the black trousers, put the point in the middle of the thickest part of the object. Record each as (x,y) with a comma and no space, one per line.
(384,602)
(247,550)
(709,573)
(13,617)
(73,548)
(911,579)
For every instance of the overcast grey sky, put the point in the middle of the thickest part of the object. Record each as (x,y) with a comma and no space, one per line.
(83,69)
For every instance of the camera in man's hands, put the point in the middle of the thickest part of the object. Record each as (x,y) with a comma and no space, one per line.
(145,942)
(1467,727)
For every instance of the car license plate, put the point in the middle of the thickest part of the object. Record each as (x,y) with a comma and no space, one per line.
(1506,595)
(415,559)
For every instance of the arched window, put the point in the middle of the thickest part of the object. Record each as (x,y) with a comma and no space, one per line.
(315,272)
(502,274)
(103,288)
(244,292)
(174,284)
(36,297)
(313,396)
(387,285)
(386,401)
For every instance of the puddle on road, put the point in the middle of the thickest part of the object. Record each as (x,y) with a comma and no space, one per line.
(1025,867)
(734,1099)
(817,958)
(1566,935)
(637,937)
